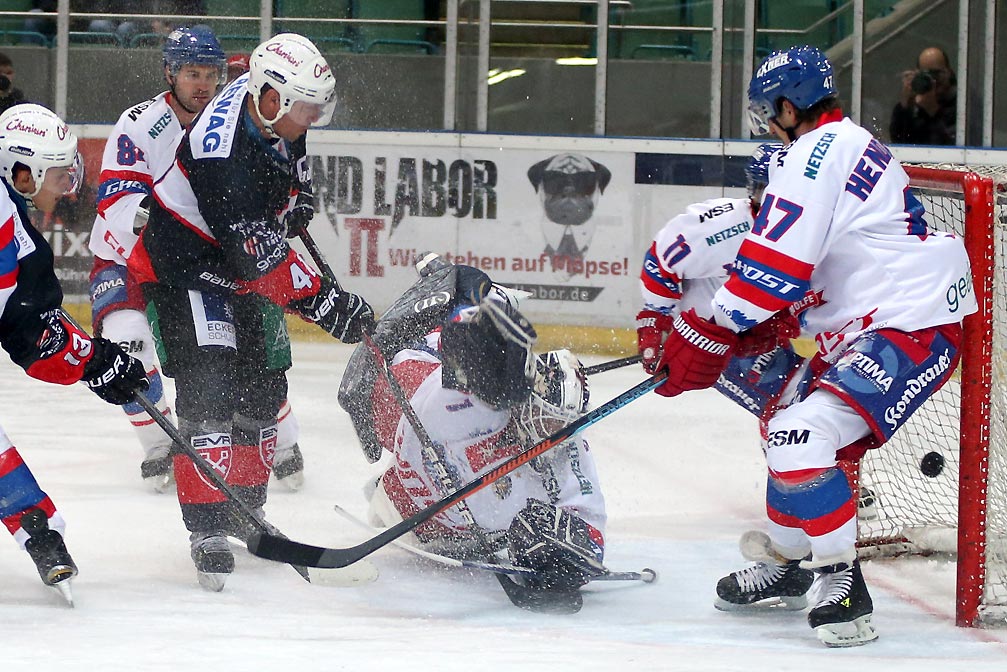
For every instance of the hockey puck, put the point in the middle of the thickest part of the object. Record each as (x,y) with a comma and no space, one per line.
(932,464)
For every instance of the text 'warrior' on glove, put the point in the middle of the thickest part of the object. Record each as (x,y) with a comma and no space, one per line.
(695,353)
(344,315)
(651,329)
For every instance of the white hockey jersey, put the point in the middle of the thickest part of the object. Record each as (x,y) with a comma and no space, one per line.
(139,150)
(690,256)
(471,438)
(840,234)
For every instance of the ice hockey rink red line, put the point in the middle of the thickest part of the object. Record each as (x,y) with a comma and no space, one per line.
(980,634)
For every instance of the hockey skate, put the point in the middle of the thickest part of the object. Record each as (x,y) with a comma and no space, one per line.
(765,585)
(288,467)
(842,616)
(157,470)
(47,550)
(213,559)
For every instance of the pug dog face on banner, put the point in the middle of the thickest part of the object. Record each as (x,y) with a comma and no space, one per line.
(568,186)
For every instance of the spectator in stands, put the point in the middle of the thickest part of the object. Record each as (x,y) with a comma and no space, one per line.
(926,111)
(40,25)
(9,94)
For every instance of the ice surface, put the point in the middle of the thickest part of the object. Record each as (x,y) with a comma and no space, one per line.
(683,479)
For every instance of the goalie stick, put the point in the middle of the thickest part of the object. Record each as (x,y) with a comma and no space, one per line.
(614,364)
(365,574)
(646,574)
(281,549)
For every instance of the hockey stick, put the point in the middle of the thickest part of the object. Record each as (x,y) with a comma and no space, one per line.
(280,549)
(521,596)
(252,516)
(614,364)
(646,574)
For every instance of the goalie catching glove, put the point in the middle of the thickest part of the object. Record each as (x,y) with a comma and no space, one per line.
(65,354)
(561,547)
(695,354)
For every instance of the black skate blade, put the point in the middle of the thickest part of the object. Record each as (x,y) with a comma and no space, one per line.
(541,601)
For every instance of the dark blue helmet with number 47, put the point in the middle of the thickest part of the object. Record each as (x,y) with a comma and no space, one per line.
(802,75)
(193,46)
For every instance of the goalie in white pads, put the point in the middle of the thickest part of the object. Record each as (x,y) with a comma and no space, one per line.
(482,396)
(841,242)
(139,150)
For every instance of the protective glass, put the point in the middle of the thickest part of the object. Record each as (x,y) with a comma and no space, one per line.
(759,115)
(312,114)
(64,180)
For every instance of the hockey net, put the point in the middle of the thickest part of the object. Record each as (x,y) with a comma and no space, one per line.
(940,484)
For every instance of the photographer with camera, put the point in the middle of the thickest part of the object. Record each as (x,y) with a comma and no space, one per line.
(9,96)
(925,113)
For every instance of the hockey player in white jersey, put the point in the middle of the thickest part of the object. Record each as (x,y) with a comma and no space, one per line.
(39,164)
(841,242)
(467,368)
(139,150)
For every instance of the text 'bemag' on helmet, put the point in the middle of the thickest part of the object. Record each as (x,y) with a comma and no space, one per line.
(292,65)
(35,137)
(802,75)
(193,46)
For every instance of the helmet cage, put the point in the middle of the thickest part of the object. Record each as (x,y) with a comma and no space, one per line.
(757,168)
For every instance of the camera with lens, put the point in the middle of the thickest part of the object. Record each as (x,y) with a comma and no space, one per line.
(923,82)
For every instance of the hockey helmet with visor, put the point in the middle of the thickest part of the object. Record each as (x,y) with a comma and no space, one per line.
(293,66)
(802,75)
(33,136)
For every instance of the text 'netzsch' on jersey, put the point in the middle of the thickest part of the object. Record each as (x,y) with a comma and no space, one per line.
(840,234)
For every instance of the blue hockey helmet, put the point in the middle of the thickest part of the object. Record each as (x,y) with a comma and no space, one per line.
(802,75)
(193,46)
(757,169)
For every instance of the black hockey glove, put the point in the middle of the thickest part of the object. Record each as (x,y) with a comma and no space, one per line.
(555,543)
(300,215)
(344,315)
(112,374)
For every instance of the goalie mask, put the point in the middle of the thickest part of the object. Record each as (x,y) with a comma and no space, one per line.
(486,350)
(560,395)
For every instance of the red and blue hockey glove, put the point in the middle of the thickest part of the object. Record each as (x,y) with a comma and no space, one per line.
(769,335)
(696,352)
(652,328)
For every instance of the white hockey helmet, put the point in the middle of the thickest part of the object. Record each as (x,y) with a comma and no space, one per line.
(292,65)
(36,138)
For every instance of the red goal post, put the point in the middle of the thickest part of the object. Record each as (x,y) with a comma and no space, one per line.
(955,502)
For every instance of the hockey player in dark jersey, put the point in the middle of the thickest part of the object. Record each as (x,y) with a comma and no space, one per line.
(39,163)
(218,273)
